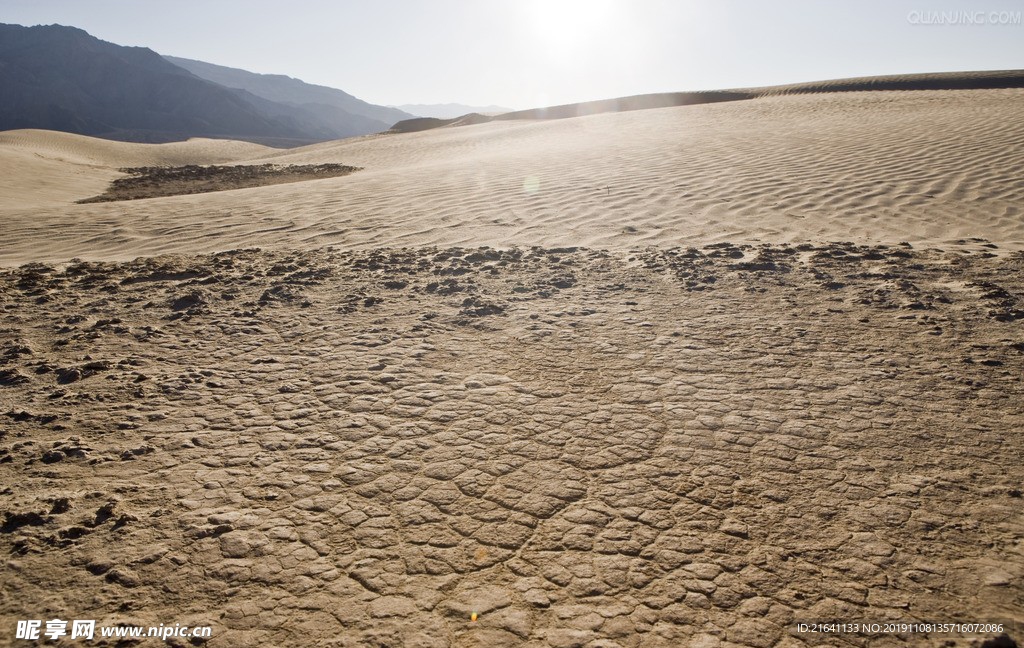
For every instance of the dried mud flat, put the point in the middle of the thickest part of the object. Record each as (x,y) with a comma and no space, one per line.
(584,448)
(159,181)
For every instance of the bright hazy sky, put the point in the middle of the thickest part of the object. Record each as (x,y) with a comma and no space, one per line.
(526,53)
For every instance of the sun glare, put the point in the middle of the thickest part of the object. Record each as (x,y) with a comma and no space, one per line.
(569,28)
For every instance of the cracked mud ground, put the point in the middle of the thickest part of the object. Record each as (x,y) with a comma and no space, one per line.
(662,448)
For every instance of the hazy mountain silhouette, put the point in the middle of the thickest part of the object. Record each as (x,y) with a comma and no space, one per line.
(62,78)
(332,107)
(450,110)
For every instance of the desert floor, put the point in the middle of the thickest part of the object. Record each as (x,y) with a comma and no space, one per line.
(607,381)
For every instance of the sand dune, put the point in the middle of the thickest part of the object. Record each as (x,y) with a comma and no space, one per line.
(977,80)
(930,81)
(47,167)
(82,149)
(926,167)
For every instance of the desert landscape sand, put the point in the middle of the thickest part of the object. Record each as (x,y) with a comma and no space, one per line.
(928,167)
(674,377)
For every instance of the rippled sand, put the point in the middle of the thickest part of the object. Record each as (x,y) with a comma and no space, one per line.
(928,167)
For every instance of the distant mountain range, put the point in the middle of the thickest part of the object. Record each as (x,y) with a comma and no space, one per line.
(332,107)
(450,110)
(62,78)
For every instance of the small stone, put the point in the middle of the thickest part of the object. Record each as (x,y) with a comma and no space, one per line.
(392,606)
(122,576)
(481,601)
(997,578)
(733,527)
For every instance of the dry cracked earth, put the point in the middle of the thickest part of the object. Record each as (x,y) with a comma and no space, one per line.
(159,181)
(583,448)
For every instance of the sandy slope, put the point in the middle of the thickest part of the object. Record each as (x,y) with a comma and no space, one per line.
(51,168)
(928,167)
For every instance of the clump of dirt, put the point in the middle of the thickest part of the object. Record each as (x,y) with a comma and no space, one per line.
(156,182)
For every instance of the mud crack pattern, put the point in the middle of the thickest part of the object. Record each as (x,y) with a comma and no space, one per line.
(661,448)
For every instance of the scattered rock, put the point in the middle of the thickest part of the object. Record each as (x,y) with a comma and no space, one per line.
(12,377)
